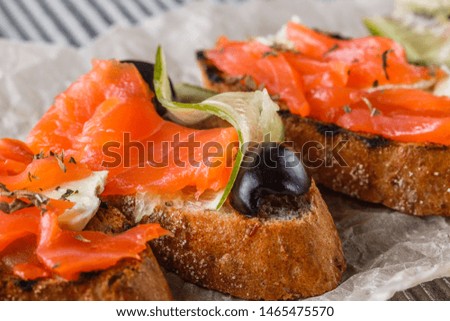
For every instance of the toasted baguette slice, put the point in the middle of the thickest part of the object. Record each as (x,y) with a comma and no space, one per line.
(291,250)
(130,279)
(413,178)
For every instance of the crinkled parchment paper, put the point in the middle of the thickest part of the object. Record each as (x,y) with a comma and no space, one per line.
(386,251)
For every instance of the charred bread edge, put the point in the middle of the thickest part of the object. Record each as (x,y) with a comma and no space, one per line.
(413,178)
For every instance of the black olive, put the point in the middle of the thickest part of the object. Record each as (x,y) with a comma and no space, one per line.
(268,169)
(147,70)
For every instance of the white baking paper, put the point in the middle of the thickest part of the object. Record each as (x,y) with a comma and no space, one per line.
(386,251)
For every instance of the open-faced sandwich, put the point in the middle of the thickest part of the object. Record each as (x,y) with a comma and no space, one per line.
(368,123)
(244,217)
(55,242)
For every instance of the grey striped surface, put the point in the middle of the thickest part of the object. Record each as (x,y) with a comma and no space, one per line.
(437,290)
(75,22)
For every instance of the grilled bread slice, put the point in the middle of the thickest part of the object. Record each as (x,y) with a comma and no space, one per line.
(130,279)
(290,250)
(413,178)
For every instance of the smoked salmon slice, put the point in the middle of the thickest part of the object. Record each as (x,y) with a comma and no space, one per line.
(34,246)
(43,174)
(407,115)
(266,69)
(106,120)
(319,73)
(14,156)
(18,225)
(69,253)
(73,108)
(372,61)
(364,84)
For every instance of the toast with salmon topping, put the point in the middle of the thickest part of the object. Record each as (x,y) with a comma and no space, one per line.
(56,243)
(247,220)
(130,279)
(358,129)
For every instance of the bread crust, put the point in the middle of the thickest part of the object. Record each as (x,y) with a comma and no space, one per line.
(409,177)
(413,178)
(293,253)
(130,279)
